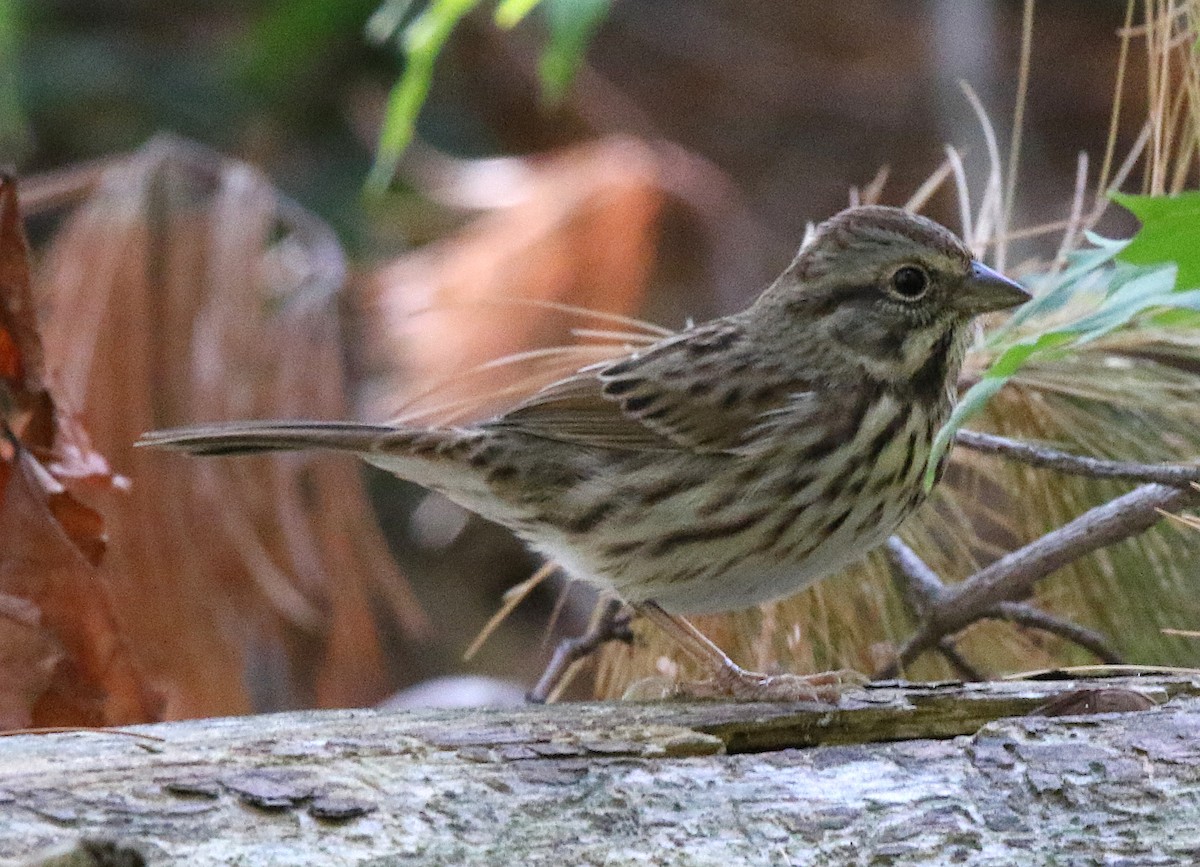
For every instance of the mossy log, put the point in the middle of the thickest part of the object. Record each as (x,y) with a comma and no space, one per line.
(898,774)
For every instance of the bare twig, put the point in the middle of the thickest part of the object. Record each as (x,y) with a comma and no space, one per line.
(993,592)
(964,669)
(1035,618)
(1014,576)
(1175,475)
(611,625)
(922,586)
(923,589)
(926,593)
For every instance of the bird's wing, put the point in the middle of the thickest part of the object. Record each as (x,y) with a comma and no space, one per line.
(702,390)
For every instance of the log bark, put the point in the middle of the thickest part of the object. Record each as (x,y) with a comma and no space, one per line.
(897,774)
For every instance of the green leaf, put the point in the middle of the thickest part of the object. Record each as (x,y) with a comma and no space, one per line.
(510,12)
(1013,358)
(1132,292)
(1001,371)
(1154,288)
(423,41)
(968,405)
(572,23)
(1170,233)
(1084,272)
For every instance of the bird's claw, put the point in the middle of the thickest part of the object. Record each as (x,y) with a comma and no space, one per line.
(741,685)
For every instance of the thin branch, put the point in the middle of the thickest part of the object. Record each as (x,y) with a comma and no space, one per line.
(1175,475)
(1014,576)
(964,669)
(921,585)
(611,625)
(922,589)
(1035,618)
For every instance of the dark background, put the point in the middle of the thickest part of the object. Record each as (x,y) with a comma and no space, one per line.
(795,101)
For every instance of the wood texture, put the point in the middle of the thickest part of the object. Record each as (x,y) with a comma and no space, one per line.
(897,775)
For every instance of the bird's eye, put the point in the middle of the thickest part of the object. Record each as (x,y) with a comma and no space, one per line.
(910,282)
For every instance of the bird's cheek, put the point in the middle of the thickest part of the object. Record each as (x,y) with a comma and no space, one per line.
(865,335)
(918,344)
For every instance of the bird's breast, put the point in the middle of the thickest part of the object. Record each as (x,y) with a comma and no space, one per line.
(763,526)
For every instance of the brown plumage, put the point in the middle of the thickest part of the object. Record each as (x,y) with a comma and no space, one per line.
(731,463)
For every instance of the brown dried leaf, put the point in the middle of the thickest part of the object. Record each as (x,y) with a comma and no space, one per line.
(20,347)
(41,422)
(186,289)
(28,657)
(94,680)
(62,661)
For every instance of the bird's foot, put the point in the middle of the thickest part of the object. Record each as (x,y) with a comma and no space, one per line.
(741,685)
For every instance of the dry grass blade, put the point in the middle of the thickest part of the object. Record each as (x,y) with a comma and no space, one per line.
(1014,148)
(1110,146)
(1071,234)
(513,597)
(930,186)
(963,191)
(991,207)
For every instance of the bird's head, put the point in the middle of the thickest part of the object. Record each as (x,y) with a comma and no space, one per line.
(887,289)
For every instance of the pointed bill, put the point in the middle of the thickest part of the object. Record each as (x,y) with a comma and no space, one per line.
(985,290)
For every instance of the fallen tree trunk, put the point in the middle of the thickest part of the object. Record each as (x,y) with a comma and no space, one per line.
(897,775)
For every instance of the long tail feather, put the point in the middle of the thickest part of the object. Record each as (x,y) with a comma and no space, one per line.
(248,437)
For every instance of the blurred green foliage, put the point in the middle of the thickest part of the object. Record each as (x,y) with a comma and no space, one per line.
(286,84)
(13,134)
(571,24)
(421,38)
(275,82)
(421,41)
(284,50)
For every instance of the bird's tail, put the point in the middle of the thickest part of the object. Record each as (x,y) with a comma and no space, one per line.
(239,438)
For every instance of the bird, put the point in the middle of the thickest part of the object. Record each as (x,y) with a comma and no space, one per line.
(728,464)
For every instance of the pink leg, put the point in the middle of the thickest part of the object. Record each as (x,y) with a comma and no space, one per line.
(730,680)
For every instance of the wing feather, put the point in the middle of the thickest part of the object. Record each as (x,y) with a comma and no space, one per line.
(702,391)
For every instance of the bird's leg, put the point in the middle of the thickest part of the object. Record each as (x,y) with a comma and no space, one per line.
(611,625)
(730,680)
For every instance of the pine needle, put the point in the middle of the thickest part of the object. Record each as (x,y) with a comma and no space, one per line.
(513,597)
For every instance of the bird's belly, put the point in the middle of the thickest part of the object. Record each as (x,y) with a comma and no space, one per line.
(771,556)
(744,579)
(776,536)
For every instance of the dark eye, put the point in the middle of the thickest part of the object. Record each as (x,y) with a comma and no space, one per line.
(910,282)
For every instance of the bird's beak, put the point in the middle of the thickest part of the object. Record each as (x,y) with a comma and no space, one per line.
(986,290)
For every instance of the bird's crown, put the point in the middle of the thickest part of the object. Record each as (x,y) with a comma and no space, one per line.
(874,235)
